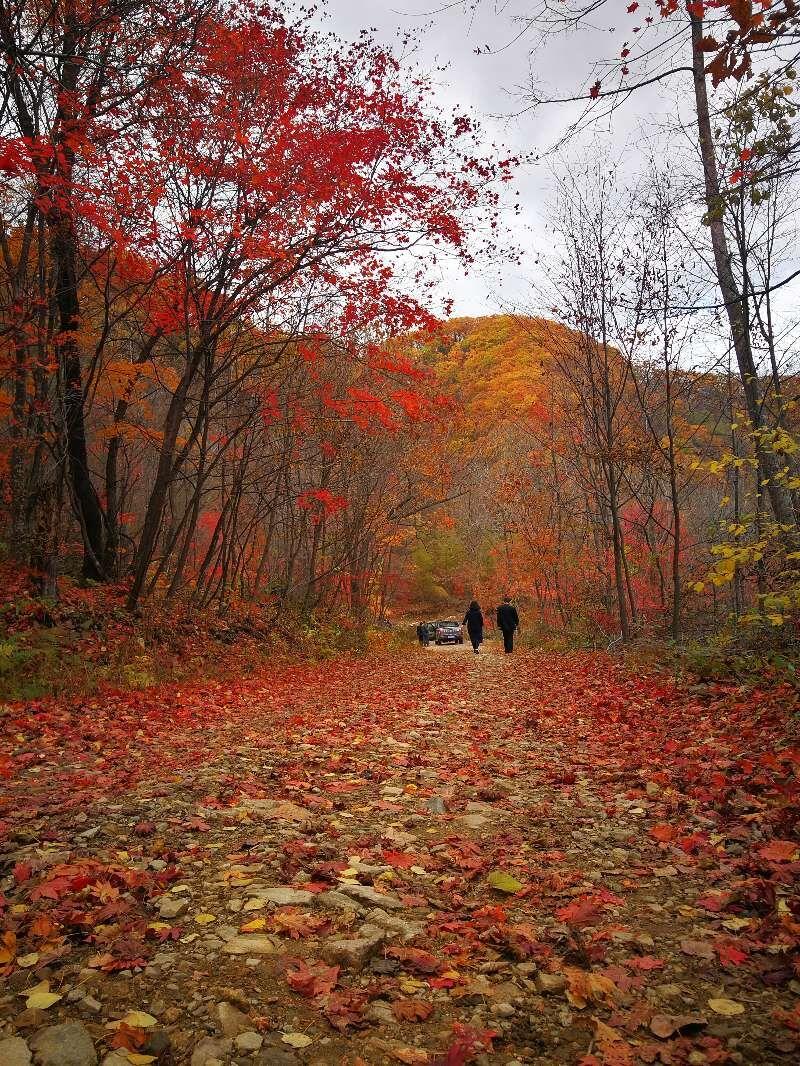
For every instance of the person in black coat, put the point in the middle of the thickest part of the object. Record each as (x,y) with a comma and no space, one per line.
(507,623)
(473,620)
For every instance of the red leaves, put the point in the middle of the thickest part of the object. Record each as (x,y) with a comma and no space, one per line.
(415,959)
(586,910)
(581,912)
(401,860)
(780,851)
(664,833)
(729,953)
(22,872)
(467,1044)
(644,963)
(321,503)
(311,981)
(297,924)
(345,1009)
(412,1010)
(594,91)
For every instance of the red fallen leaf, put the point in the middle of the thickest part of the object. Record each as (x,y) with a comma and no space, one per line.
(442,982)
(144,829)
(415,959)
(129,1037)
(315,980)
(296,924)
(412,1010)
(22,872)
(666,1025)
(585,910)
(692,843)
(198,824)
(698,949)
(663,832)
(42,926)
(789,1018)
(345,1009)
(779,851)
(467,1044)
(644,962)
(713,902)
(402,860)
(729,954)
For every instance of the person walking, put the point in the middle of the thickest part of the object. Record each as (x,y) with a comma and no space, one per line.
(507,623)
(423,633)
(473,620)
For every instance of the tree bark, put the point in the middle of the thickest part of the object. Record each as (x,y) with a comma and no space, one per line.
(735,302)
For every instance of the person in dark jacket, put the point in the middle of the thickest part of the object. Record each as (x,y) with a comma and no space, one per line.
(473,620)
(507,623)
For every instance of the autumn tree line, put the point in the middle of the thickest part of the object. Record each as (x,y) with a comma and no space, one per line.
(220,379)
(212,219)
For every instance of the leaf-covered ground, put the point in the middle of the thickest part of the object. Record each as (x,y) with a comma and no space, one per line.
(442,858)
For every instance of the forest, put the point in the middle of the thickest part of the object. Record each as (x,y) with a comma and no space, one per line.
(317,324)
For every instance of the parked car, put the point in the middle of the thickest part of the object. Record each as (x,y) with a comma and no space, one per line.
(449,632)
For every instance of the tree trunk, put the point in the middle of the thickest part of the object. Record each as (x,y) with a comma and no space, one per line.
(735,302)
(63,243)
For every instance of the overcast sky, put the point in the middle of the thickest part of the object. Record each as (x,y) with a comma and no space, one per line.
(492,85)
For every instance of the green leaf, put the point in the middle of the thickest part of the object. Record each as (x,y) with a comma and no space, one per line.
(503,882)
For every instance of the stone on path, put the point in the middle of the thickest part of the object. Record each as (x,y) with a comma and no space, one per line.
(251,944)
(209,1049)
(474,821)
(249,1041)
(365,894)
(68,1044)
(282,897)
(355,953)
(232,1021)
(171,907)
(281,810)
(15,1052)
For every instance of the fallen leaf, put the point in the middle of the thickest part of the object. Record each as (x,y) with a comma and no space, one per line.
(314,980)
(254,926)
(780,851)
(698,949)
(666,1025)
(728,1007)
(411,1010)
(42,1000)
(297,1040)
(504,882)
(584,987)
(139,1019)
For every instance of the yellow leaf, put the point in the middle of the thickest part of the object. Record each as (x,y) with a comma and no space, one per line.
(205,919)
(42,1000)
(25,961)
(296,1039)
(254,926)
(503,882)
(728,1007)
(139,1020)
(735,924)
(137,1059)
